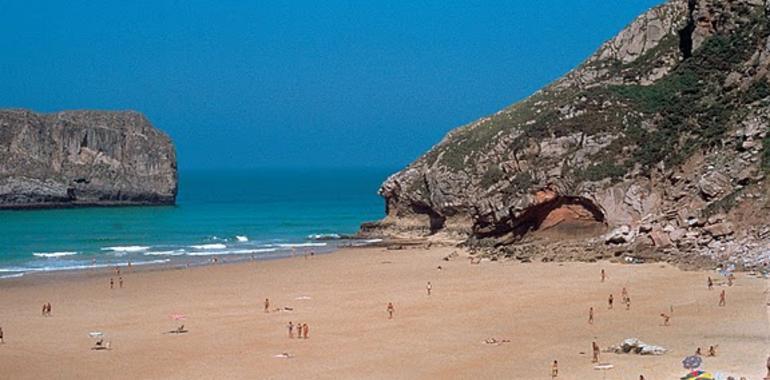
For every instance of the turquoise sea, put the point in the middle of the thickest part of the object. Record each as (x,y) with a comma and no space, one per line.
(226,214)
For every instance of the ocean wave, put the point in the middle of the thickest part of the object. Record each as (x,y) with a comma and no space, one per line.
(209,246)
(233,252)
(77,267)
(298,245)
(15,275)
(49,255)
(126,249)
(324,237)
(241,238)
(178,252)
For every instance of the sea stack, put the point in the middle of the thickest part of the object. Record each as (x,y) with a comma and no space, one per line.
(84,158)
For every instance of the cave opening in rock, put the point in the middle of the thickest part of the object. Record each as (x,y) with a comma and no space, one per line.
(436,221)
(568,215)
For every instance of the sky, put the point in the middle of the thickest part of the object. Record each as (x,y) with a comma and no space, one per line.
(311,84)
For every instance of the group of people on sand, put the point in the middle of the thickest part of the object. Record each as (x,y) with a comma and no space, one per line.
(626,299)
(712,351)
(120,282)
(46,309)
(302,330)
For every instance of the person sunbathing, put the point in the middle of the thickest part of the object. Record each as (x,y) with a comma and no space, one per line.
(666,318)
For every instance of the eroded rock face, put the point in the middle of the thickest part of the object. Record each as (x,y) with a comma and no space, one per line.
(78,158)
(664,126)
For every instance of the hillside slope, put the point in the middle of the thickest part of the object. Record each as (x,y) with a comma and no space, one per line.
(656,145)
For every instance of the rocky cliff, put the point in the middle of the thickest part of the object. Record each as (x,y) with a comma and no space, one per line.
(79,158)
(656,146)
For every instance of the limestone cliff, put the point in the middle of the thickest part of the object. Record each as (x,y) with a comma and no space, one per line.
(660,138)
(79,158)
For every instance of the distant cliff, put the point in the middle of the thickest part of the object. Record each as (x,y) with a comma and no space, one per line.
(660,138)
(84,158)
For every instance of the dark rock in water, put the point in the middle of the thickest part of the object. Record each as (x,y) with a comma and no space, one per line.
(84,158)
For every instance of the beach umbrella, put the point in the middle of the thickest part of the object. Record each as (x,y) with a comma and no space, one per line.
(604,367)
(692,362)
(698,375)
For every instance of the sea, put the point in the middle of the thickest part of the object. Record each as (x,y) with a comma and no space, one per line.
(227,215)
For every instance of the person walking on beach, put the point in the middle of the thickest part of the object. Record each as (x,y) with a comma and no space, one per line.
(3,341)
(428,287)
(391,310)
(710,283)
(591,315)
(120,282)
(595,351)
(45,307)
(305,330)
(291,330)
(722,301)
(555,369)
(112,283)
(628,303)
(604,275)
(48,309)
(624,293)
(610,301)
(267,305)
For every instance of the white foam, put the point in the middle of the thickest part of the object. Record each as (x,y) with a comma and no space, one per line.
(54,254)
(126,249)
(232,252)
(324,236)
(177,252)
(82,266)
(209,246)
(297,245)
(241,238)
(17,275)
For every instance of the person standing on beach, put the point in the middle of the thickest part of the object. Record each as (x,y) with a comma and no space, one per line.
(555,369)
(429,287)
(591,315)
(267,305)
(3,341)
(628,303)
(305,330)
(391,310)
(44,309)
(48,309)
(604,275)
(595,350)
(291,330)
(710,283)
(624,293)
(722,301)
(120,282)
(112,283)
(610,301)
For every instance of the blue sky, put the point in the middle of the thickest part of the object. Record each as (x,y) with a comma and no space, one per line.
(243,84)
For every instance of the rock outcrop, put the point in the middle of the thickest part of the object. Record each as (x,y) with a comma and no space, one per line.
(84,158)
(665,126)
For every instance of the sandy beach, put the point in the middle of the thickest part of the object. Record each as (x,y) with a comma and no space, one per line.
(541,308)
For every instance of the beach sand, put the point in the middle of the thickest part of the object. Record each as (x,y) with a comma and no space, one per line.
(542,308)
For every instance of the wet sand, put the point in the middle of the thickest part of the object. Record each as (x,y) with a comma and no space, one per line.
(542,308)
